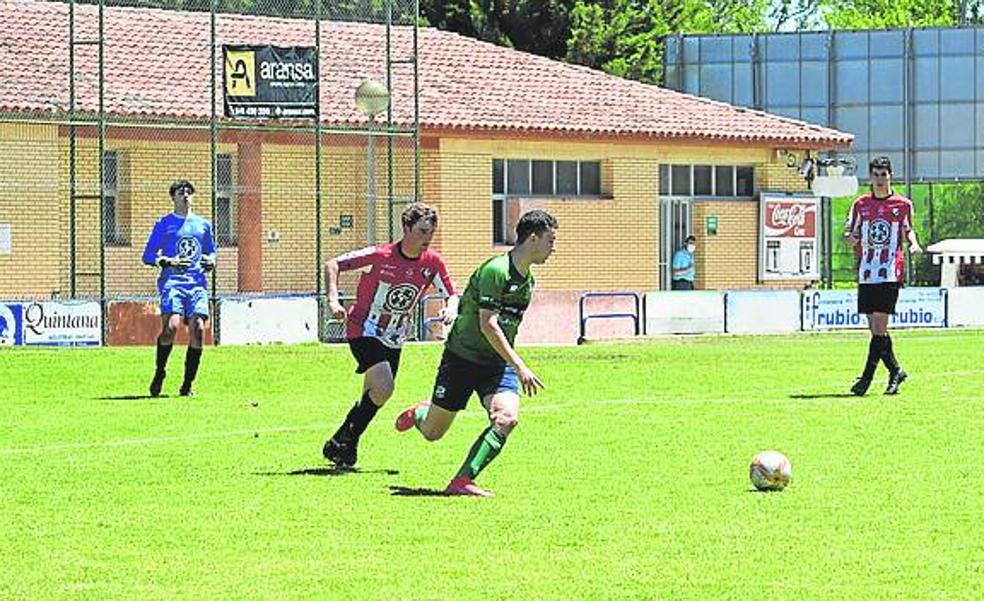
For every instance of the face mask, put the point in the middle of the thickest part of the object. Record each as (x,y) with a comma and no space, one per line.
(691,248)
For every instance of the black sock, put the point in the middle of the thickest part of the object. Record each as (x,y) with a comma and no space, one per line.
(888,356)
(192,358)
(875,350)
(163,352)
(358,419)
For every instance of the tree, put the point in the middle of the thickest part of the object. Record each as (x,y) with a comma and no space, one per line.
(537,26)
(625,37)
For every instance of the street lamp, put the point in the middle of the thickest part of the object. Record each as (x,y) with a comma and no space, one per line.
(371,98)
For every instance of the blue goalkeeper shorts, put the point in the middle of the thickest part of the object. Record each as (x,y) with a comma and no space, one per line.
(185,302)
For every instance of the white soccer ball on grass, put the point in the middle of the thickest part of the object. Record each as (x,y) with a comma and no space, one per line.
(770,470)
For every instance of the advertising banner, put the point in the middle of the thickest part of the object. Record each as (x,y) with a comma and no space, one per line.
(270,82)
(54,323)
(916,308)
(11,324)
(789,237)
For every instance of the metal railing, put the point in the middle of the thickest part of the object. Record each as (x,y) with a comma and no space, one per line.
(635,316)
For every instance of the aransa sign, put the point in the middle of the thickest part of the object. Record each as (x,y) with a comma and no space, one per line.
(270,82)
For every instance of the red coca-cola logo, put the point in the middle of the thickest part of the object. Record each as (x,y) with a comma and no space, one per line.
(790,219)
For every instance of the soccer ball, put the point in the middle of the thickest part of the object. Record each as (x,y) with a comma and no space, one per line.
(770,470)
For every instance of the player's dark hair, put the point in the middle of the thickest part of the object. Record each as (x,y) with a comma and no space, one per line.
(880,163)
(690,239)
(534,222)
(182,184)
(419,211)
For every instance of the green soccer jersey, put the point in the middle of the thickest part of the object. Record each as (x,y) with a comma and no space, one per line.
(497,286)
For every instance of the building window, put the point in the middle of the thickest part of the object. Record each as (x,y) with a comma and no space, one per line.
(514,179)
(225,202)
(568,180)
(523,177)
(115,230)
(707,181)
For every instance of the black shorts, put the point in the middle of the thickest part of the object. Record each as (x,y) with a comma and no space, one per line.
(878,298)
(369,351)
(681,285)
(458,378)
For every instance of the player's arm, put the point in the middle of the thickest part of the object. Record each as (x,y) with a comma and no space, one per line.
(910,234)
(208,249)
(488,322)
(445,286)
(450,310)
(331,284)
(353,260)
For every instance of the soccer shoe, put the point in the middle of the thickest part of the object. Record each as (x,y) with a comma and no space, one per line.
(408,417)
(860,386)
(342,454)
(157,383)
(463,485)
(186,390)
(895,381)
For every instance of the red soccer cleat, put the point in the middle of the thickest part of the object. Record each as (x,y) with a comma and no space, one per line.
(463,485)
(408,417)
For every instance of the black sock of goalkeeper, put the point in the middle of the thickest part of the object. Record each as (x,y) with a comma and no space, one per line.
(875,350)
(358,417)
(888,356)
(163,352)
(192,358)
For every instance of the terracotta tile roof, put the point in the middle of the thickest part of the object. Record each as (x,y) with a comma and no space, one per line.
(157,65)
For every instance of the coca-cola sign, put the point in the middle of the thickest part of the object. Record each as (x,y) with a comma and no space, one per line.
(790,219)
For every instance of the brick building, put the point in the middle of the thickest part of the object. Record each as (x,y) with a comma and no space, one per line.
(501,131)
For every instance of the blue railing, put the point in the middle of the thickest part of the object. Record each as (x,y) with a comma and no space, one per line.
(635,316)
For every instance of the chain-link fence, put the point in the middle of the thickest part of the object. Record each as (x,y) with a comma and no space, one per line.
(127,96)
(942,211)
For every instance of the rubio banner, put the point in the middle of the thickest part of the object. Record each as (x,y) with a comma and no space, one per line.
(788,237)
(270,82)
(828,309)
(62,324)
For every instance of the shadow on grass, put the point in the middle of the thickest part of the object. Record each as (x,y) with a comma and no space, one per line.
(333,470)
(131,397)
(826,395)
(406,491)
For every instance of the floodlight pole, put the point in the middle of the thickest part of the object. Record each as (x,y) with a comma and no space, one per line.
(371,178)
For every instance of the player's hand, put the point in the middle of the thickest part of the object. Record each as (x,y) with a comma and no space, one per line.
(531,383)
(915,249)
(447,316)
(208,263)
(174,262)
(337,310)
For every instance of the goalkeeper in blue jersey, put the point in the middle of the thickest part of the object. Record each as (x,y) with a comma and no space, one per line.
(182,246)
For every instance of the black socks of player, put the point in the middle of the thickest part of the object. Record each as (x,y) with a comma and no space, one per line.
(163,352)
(876,350)
(358,419)
(888,356)
(192,358)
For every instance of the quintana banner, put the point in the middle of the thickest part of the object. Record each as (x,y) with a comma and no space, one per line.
(789,237)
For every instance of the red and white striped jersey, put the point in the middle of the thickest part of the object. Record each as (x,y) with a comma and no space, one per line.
(878,226)
(389,291)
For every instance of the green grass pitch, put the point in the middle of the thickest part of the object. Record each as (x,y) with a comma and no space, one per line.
(627,478)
